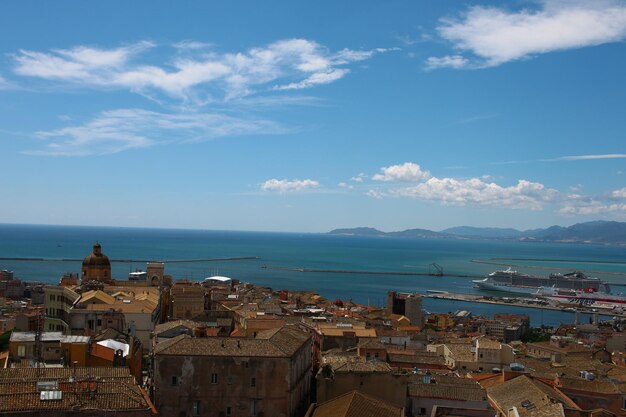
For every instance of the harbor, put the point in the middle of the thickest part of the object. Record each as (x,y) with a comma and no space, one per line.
(534,303)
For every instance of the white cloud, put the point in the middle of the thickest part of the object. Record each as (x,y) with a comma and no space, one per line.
(119,130)
(621,193)
(448,61)
(196,75)
(496,36)
(525,194)
(345,185)
(375,194)
(592,207)
(359,178)
(403,172)
(286,186)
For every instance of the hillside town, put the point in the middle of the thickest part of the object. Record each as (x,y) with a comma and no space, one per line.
(152,344)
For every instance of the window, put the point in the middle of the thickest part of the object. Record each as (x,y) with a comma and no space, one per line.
(253,382)
(196,408)
(422,411)
(21,351)
(228,411)
(213,378)
(229,380)
(174,380)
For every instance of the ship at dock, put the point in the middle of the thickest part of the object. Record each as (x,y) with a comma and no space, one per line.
(583,297)
(514,282)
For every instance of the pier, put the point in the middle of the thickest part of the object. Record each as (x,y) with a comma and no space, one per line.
(519,302)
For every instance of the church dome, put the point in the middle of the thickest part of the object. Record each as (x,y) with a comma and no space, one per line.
(96,258)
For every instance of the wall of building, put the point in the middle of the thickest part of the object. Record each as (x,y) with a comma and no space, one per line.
(182,382)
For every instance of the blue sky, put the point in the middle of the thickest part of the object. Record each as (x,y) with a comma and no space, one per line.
(294,116)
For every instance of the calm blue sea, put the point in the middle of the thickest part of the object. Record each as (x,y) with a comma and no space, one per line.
(316,251)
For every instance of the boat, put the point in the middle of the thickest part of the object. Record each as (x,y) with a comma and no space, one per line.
(515,282)
(587,296)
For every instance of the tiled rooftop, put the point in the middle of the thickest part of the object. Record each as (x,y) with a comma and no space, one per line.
(83,388)
(283,342)
(356,404)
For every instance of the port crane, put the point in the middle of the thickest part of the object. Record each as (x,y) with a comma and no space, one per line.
(437,268)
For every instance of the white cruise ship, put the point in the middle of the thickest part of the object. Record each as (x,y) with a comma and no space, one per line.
(515,282)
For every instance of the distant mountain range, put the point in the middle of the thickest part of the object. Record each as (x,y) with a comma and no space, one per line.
(590,232)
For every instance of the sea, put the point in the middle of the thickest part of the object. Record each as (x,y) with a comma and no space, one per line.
(327,252)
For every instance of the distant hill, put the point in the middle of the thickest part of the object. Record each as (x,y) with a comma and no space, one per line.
(358,231)
(593,232)
(597,231)
(418,233)
(490,232)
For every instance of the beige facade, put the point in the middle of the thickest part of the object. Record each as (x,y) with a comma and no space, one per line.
(58,302)
(132,310)
(187,301)
(480,355)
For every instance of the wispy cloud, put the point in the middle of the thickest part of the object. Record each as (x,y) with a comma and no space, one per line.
(288,185)
(123,129)
(359,177)
(200,75)
(493,36)
(447,61)
(476,118)
(377,194)
(587,157)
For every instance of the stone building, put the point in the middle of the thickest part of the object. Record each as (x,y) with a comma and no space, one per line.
(409,305)
(373,378)
(188,300)
(269,375)
(96,266)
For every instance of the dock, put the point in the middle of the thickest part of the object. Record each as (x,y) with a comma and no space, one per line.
(519,302)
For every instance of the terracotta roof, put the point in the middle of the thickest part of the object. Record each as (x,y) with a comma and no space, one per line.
(360,366)
(84,388)
(422,357)
(529,397)
(10,374)
(461,351)
(486,343)
(96,296)
(189,324)
(283,342)
(458,392)
(356,404)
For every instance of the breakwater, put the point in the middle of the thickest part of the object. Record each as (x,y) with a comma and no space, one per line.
(236,258)
(365,272)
